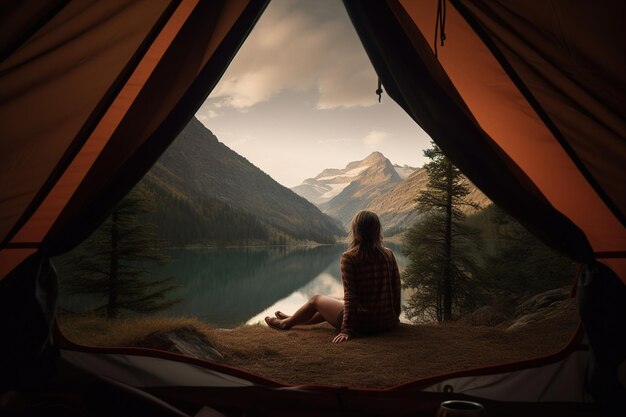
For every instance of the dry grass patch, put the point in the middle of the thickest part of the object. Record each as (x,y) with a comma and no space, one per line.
(306,355)
(99,331)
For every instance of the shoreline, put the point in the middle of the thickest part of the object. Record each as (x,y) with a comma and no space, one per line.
(298,245)
(394,240)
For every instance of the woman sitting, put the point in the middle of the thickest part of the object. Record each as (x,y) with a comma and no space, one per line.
(371,286)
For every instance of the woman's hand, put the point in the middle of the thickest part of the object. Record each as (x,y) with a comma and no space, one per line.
(341,337)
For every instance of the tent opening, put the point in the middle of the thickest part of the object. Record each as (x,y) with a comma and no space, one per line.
(248,210)
(525,100)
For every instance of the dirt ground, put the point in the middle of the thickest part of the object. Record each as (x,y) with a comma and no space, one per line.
(306,355)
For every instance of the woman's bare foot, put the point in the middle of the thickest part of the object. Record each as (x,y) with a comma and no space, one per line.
(280,315)
(316,319)
(275,323)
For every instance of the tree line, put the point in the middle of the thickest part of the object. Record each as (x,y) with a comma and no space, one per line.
(182,220)
(117,264)
(457,263)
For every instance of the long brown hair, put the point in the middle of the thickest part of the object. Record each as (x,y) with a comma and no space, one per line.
(366,237)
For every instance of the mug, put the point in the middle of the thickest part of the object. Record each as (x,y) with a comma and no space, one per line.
(458,408)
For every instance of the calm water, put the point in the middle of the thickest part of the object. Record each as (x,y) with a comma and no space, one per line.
(232,286)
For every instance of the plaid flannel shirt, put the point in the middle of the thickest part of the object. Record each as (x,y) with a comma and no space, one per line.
(371,293)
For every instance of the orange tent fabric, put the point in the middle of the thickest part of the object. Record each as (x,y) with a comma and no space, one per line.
(527,98)
(535,92)
(82,90)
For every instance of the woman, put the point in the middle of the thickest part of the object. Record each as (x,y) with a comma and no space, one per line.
(371,286)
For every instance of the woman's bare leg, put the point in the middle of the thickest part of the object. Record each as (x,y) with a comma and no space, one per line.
(316,319)
(327,307)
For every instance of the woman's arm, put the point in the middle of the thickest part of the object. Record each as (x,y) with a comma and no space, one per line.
(348,278)
(395,286)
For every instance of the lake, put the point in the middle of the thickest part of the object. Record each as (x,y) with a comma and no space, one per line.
(227,287)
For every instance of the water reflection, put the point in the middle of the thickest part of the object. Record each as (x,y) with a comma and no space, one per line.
(324,283)
(228,286)
(231,286)
(328,282)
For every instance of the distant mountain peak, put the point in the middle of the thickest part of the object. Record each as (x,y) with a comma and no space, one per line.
(335,190)
(373,183)
(375,156)
(373,159)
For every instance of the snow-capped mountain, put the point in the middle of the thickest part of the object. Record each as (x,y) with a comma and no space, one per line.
(331,182)
(327,185)
(342,192)
(372,184)
(404,171)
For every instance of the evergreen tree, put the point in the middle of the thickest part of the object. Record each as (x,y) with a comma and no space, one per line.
(521,263)
(114,261)
(439,245)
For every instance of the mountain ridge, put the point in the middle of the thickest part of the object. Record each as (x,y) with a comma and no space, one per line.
(332,181)
(387,189)
(201,168)
(377,176)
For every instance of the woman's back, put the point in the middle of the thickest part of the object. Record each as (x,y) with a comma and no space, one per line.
(371,291)
(371,286)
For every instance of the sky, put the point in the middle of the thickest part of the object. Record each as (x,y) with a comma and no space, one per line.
(299,97)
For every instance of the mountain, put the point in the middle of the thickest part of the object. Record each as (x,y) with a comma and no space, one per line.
(397,207)
(376,176)
(331,182)
(404,171)
(202,179)
(373,184)
(341,193)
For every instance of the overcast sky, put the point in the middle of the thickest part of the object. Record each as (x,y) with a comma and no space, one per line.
(299,97)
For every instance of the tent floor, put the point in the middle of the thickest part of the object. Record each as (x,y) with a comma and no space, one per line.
(98,399)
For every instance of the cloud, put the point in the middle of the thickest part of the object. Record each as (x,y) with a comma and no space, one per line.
(205,114)
(375,138)
(300,46)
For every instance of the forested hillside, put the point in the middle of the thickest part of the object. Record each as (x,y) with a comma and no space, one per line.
(181,220)
(513,259)
(206,193)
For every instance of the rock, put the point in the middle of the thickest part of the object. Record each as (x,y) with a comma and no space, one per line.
(484,316)
(560,308)
(526,319)
(185,340)
(542,300)
(503,313)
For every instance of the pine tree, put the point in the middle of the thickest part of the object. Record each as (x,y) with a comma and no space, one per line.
(521,262)
(114,261)
(438,245)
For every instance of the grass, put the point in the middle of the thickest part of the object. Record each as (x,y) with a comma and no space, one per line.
(307,356)
(98,331)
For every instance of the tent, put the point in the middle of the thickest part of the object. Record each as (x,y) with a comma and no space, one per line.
(91,93)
